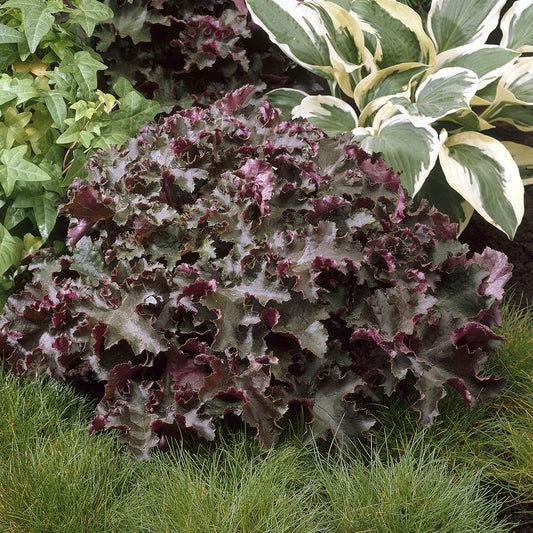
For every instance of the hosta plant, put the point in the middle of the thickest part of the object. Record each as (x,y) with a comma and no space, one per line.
(228,261)
(52,116)
(429,96)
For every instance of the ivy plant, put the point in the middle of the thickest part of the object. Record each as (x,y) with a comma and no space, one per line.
(52,116)
(430,95)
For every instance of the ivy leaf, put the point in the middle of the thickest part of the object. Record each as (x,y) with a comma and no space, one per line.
(57,108)
(135,110)
(88,13)
(84,67)
(17,168)
(44,210)
(38,19)
(10,35)
(10,250)
(13,129)
(75,133)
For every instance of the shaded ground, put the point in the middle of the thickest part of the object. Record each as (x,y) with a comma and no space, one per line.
(479,234)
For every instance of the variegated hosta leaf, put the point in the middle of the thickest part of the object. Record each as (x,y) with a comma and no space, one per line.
(523,157)
(329,113)
(346,44)
(393,32)
(409,149)
(513,102)
(286,99)
(394,80)
(444,92)
(463,120)
(438,193)
(516,26)
(296,29)
(488,61)
(484,173)
(453,23)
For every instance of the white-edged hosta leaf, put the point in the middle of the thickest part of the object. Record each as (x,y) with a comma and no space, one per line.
(296,28)
(346,44)
(486,95)
(393,32)
(409,149)
(381,109)
(484,173)
(520,116)
(488,61)
(464,120)
(516,84)
(329,113)
(444,92)
(523,157)
(286,99)
(453,23)
(516,26)
(514,96)
(448,201)
(393,80)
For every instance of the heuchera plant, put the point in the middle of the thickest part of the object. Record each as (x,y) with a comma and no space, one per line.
(227,261)
(179,52)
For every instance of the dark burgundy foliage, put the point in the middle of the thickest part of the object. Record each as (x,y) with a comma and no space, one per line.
(226,262)
(185,52)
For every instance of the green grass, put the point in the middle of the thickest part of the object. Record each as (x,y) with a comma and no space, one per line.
(455,476)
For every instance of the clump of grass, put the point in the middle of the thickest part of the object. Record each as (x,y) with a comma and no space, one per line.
(413,491)
(53,477)
(235,489)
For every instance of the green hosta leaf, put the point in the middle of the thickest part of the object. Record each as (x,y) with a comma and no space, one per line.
(446,91)
(10,250)
(286,99)
(88,13)
(394,80)
(17,168)
(451,23)
(438,193)
(44,210)
(406,148)
(83,66)
(484,173)
(10,35)
(516,27)
(296,29)
(346,44)
(330,114)
(488,61)
(523,157)
(393,32)
(38,19)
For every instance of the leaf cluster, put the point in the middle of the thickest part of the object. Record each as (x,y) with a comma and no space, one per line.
(52,116)
(187,51)
(428,92)
(227,262)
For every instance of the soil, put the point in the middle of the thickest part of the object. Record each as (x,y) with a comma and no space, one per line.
(480,234)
